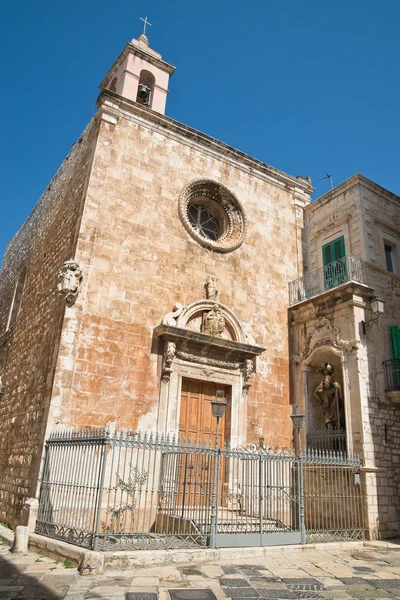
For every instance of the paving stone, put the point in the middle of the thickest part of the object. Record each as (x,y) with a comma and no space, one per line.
(301,580)
(251,572)
(192,594)
(305,587)
(262,579)
(364,569)
(233,582)
(386,583)
(141,596)
(230,570)
(36,592)
(192,572)
(307,595)
(352,580)
(277,594)
(333,594)
(245,592)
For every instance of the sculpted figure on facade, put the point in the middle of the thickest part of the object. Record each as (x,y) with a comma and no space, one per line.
(214,322)
(69,280)
(211,288)
(329,394)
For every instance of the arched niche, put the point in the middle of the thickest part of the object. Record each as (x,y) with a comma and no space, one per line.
(145,88)
(315,417)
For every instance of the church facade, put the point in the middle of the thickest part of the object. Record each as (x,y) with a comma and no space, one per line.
(152,272)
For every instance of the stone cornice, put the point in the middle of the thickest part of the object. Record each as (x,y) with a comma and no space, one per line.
(231,349)
(113,103)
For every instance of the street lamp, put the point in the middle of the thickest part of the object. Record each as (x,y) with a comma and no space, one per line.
(218,407)
(298,420)
(378,308)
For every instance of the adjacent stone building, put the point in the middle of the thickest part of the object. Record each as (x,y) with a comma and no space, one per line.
(352,242)
(153,271)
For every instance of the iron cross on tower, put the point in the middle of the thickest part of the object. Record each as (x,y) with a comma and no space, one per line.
(146,22)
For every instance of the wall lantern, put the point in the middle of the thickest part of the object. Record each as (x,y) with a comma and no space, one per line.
(378,308)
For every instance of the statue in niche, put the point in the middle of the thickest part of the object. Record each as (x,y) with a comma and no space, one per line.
(69,280)
(214,322)
(329,394)
(211,288)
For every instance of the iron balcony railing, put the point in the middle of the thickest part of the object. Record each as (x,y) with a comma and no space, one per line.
(392,375)
(328,277)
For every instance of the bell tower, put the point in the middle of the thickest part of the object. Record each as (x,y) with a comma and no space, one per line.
(140,74)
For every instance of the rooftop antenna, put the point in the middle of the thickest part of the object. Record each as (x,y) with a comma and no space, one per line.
(327,176)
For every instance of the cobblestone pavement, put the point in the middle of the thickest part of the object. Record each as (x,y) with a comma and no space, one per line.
(325,573)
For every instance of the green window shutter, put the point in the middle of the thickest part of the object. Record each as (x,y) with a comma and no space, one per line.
(333,251)
(395,331)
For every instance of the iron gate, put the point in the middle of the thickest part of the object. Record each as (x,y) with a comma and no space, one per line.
(133,491)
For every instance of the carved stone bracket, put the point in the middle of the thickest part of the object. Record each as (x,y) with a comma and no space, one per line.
(69,281)
(169,356)
(248,369)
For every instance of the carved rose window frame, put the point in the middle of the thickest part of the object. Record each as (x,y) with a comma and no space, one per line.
(223,205)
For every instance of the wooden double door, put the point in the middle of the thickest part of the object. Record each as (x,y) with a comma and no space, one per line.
(196,421)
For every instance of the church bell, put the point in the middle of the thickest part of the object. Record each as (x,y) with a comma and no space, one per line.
(143,91)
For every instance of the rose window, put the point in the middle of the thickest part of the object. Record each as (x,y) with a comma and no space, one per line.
(212,215)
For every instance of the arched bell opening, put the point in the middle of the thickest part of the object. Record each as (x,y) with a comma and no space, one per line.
(145,88)
(325,402)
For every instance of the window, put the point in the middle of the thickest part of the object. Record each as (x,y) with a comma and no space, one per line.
(390,252)
(333,255)
(19,288)
(203,221)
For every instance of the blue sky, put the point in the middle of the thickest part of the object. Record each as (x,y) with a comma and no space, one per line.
(307,86)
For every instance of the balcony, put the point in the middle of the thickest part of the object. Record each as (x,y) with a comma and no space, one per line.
(317,282)
(392,375)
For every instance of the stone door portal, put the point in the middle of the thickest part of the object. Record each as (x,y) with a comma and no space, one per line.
(196,420)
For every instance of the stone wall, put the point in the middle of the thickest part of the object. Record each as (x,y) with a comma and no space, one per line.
(139,261)
(28,349)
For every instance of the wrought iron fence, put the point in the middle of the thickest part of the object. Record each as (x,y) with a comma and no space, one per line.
(392,375)
(326,439)
(330,276)
(133,491)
